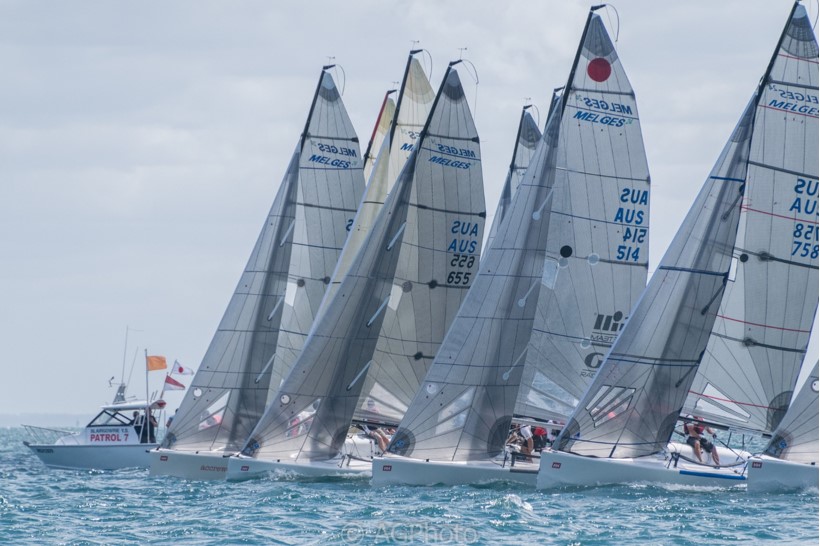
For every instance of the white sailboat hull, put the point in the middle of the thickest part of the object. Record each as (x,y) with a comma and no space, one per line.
(241,468)
(201,465)
(567,470)
(771,474)
(355,460)
(394,470)
(98,457)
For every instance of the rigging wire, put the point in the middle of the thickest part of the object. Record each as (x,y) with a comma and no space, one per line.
(529,104)
(617,26)
(336,67)
(430,57)
(473,74)
(344,77)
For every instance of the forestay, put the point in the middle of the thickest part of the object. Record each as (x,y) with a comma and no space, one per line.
(439,189)
(747,376)
(282,284)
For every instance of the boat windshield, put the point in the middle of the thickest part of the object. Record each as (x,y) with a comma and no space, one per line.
(110,418)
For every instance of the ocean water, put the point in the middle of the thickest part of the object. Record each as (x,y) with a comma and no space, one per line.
(43,506)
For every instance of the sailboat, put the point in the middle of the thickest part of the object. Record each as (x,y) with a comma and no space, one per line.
(563,239)
(433,213)
(277,297)
(396,373)
(790,459)
(620,430)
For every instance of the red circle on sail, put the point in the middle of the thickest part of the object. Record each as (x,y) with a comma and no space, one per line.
(599,69)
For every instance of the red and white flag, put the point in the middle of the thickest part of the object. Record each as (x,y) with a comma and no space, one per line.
(172,384)
(179,369)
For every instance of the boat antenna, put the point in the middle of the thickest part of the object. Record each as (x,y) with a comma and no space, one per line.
(133,363)
(124,353)
(473,74)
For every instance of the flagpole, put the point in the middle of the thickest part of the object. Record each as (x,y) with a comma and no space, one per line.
(147,419)
(162,392)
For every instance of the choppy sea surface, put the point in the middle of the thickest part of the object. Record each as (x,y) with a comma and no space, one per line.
(43,506)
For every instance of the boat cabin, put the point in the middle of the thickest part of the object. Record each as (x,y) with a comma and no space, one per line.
(123,423)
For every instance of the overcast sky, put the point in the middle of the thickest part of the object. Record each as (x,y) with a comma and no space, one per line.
(141,144)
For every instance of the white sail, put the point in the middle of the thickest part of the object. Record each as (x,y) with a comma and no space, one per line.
(563,218)
(380,131)
(796,437)
(598,245)
(414,102)
(439,190)
(526,141)
(632,405)
(282,285)
(747,375)
(398,368)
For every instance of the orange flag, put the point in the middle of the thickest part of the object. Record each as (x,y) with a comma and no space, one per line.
(155,363)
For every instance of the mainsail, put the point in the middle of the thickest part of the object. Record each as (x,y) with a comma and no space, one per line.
(632,405)
(438,194)
(598,244)
(526,141)
(795,438)
(282,285)
(567,216)
(747,375)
